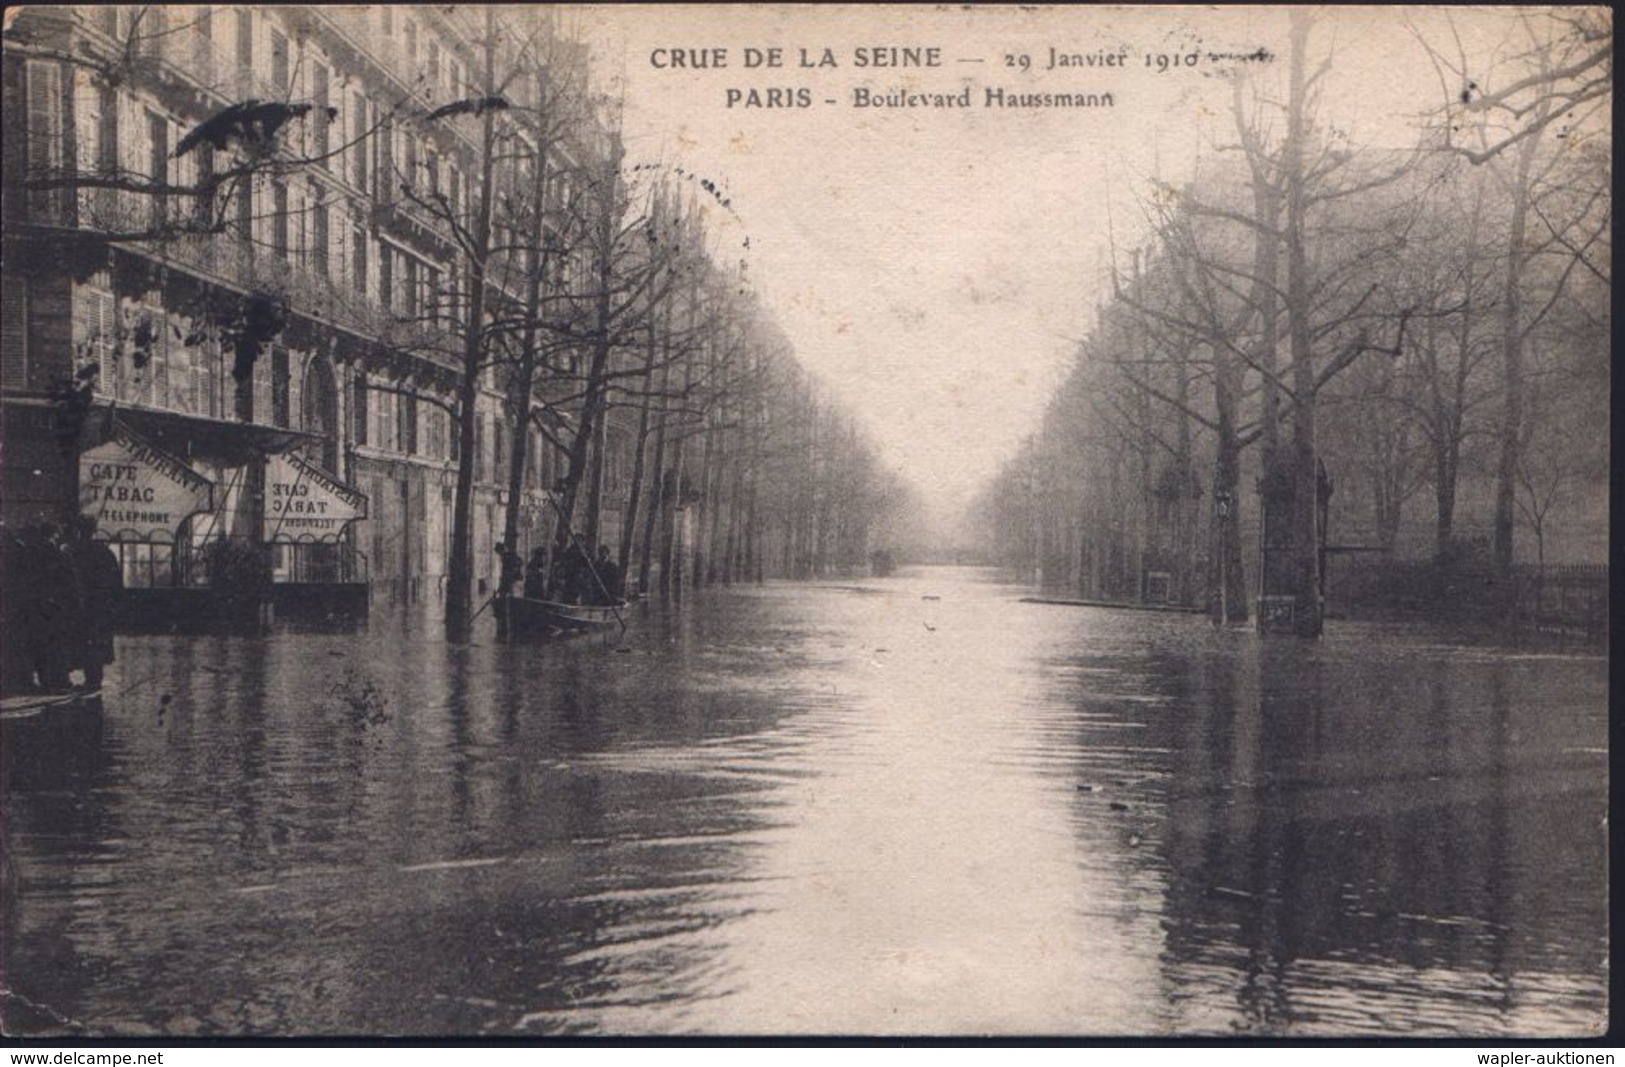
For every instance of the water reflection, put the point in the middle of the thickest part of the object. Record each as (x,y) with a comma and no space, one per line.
(910,806)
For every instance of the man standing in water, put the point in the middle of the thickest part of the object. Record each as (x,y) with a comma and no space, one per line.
(97,583)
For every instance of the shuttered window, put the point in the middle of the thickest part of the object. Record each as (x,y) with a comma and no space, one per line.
(45,137)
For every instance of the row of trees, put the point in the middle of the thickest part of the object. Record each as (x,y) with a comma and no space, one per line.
(1418,322)
(574,288)
(622,309)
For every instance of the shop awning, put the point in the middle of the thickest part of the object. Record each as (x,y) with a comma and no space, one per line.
(226,441)
(136,491)
(305,504)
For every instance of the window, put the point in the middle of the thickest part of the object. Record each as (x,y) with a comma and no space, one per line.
(107,131)
(245,40)
(434,70)
(100,324)
(409,424)
(45,134)
(205,361)
(279,220)
(358,109)
(154,33)
(181,391)
(386,276)
(385,411)
(262,398)
(206,190)
(432,302)
(158,165)
(279,61)
(409,286)
(152,340)
(435,432)
(385,174)
(318,116)
(319,240)
(358,409)
(245,212)
(145,565)
(358,256)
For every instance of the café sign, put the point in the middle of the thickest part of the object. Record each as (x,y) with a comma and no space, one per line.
(138,492)
(305,503)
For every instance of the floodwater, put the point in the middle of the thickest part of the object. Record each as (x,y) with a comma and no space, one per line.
(902,806)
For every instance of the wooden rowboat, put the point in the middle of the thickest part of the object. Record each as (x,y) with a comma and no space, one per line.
(28,705)
(525,617)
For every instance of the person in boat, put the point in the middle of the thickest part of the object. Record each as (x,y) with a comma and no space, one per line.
(568,564)
(584,581)
(97,583)
(608,586)
(510,569)
(536,574)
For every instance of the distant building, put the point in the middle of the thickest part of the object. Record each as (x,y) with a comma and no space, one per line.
(333,462)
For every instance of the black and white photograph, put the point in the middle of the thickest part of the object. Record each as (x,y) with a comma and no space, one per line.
(774,521)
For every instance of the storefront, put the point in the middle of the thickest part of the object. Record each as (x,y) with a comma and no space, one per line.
(220,525)
(305,524)
(143,500)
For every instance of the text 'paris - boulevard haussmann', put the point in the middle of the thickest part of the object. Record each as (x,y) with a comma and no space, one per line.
(864,97)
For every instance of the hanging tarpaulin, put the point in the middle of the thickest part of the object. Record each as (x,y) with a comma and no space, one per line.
(136,491)
(304,503)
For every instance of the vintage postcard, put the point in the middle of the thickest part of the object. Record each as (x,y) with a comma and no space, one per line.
(806,520)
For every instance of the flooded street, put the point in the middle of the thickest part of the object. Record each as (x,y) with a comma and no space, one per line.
(912,805)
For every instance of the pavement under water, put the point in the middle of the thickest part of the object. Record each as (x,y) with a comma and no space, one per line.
(910,805)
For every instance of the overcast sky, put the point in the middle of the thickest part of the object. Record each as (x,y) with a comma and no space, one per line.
(935,267)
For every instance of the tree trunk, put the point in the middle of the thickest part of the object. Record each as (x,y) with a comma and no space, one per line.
(1227,578)
(525,372)
(595,399)
(460,567)
(634,491)
(657,503)
(1506,471)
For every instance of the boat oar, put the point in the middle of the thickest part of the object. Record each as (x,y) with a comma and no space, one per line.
(483,606)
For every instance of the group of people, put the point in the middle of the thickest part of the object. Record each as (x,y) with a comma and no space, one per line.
(60,594)
(571,573)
